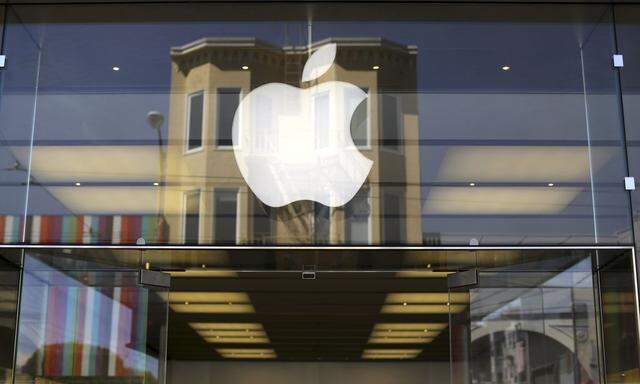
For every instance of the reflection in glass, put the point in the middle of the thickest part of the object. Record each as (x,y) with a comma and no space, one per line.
(357,218)
(81,326)
(619,318)
(228,100)
(195,104)
(226,213)
(523,327)
(192,217)
(530,154)
(9,282)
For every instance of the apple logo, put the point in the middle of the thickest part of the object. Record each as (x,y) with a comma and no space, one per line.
(295,144)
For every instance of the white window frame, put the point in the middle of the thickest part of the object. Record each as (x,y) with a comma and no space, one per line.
(188,151)
(217,119)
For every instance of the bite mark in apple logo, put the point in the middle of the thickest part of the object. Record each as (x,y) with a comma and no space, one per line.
(295,144)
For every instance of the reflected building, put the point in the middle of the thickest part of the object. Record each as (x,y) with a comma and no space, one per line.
(206,199)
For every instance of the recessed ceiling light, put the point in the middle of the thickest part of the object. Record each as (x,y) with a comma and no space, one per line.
(551,184)
(245,67)
(472,184)
(247,353)
(390,354)
(156,183)
(506,67)
(375,67)
(116,68)
(78,184)
(211,302)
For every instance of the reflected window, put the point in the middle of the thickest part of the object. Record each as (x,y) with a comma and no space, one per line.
(261,224)
(191,217)
(321,223)
(321,110)
(225,208)
(393,217)
(228,100)
(391,125)
(357,219)
(195,106)
(360,120)
(263,118)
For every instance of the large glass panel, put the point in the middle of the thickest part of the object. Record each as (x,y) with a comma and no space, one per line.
(628,38)
(85,322)
(620,321)
(17,103)
(605,134)
(569,320)
(492,103)
(485,124)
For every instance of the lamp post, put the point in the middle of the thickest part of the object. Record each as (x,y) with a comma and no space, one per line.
(155,120)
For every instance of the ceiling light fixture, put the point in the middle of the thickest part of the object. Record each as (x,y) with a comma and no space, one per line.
(506,68)
(115,68)
(375,67)
(245,67)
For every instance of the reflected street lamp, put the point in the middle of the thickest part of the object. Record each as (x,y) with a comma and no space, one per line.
(155,120)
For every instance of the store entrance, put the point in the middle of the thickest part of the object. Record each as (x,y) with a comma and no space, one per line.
(325,316)
(471,316)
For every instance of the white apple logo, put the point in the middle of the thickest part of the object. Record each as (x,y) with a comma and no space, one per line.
(295,144)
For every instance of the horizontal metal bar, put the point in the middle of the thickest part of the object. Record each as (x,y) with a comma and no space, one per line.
(308,247)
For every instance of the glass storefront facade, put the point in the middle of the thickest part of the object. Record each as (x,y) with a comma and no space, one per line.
(489,124)
(499,138)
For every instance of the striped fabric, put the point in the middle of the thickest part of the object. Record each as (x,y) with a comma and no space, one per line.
(118,229)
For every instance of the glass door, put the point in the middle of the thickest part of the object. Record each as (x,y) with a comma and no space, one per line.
(86,322)
(545,322)
(526,327)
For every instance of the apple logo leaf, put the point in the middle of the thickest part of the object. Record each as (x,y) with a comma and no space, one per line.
(319,62)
